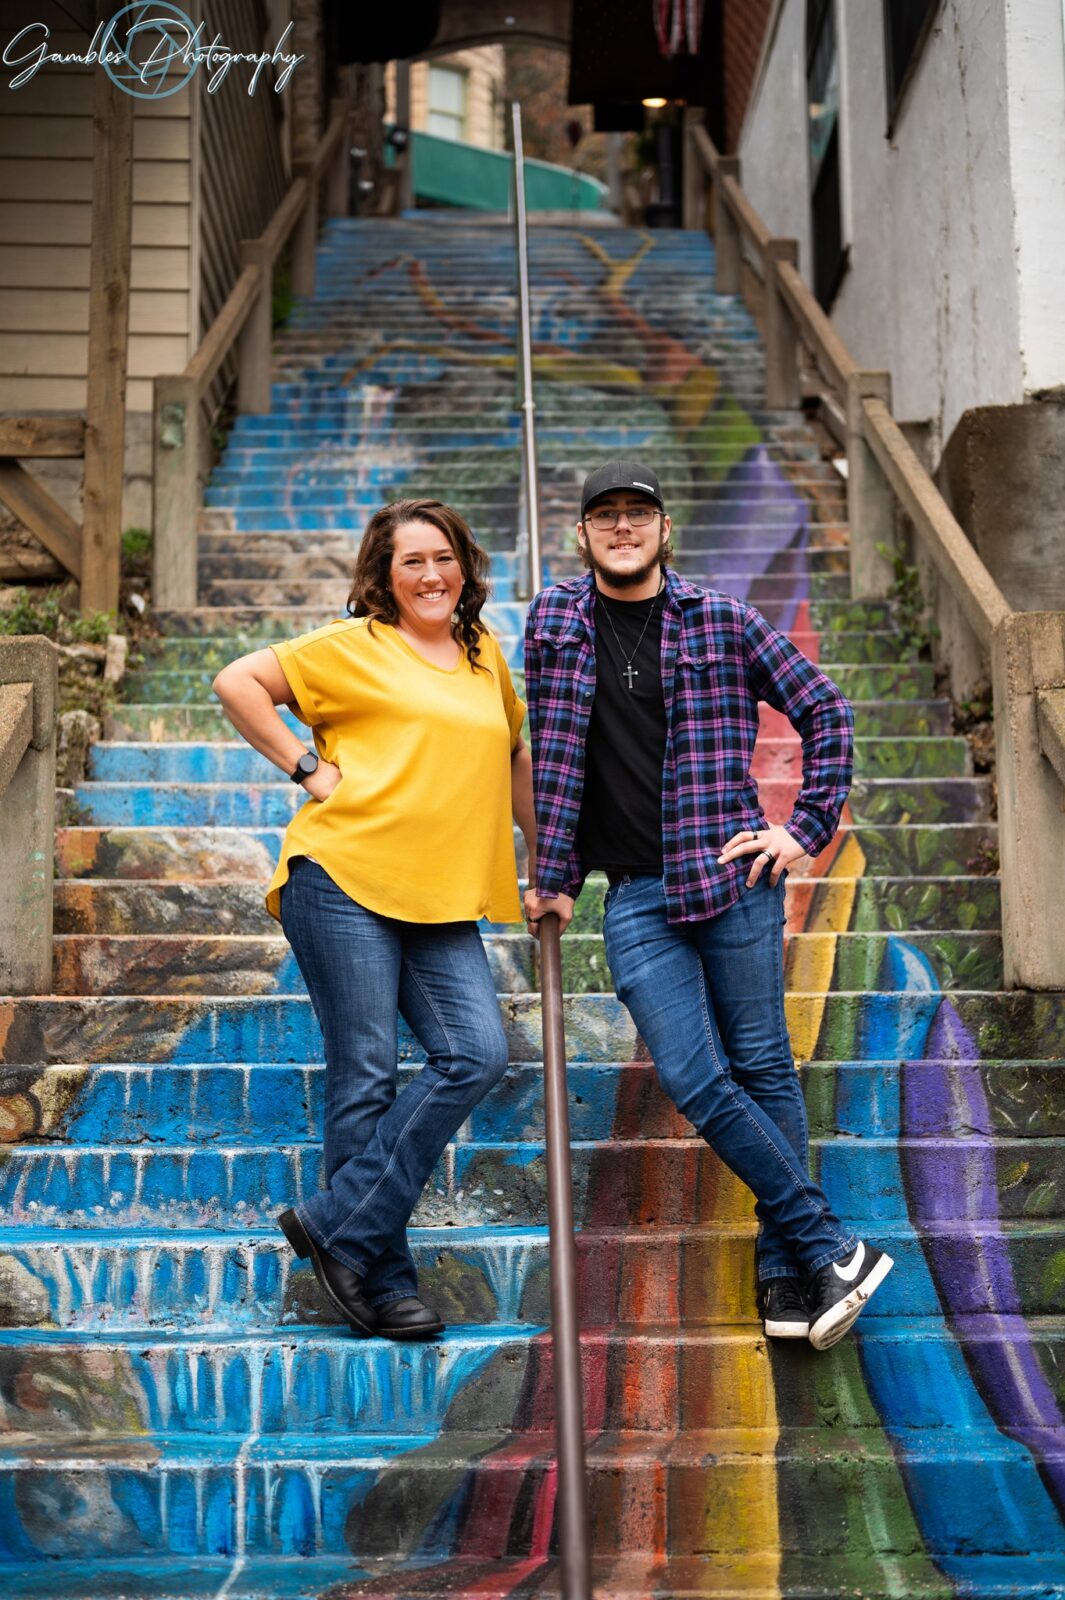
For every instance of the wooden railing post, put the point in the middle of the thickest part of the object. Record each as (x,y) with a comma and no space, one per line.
(695,178)
(783,391)
(109,289)
(1027,660)
(870,501)
(338,179)
(728,244)
(176,490)
(305,238)
(28,696)
(256,336)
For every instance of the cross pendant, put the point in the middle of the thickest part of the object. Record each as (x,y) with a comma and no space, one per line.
(630,673)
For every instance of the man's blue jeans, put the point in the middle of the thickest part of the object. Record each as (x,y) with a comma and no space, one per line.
(380,1146)
(708,1000)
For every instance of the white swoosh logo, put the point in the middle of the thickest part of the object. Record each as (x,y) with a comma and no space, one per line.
(849,1273)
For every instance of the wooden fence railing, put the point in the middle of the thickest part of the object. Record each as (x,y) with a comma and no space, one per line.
(28,700)
(244,321)
(1026,649)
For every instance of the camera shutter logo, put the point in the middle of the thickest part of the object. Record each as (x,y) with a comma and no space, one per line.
(147,38)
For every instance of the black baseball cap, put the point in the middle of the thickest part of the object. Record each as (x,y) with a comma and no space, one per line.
(620,475)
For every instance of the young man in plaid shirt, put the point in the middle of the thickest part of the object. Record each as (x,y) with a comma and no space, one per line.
(643,696)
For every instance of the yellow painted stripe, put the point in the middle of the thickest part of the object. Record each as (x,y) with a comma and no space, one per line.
(618,272)
(809,970)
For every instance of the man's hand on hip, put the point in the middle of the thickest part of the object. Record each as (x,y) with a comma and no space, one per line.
(538,906)
(772,849)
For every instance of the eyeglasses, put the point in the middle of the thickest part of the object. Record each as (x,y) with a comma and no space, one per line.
(607,518)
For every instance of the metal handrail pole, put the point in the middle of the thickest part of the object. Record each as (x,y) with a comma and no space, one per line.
(565,1322)
(529,581)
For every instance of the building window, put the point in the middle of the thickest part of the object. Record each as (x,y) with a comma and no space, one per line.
(447,102)
(906,27)
(822,129)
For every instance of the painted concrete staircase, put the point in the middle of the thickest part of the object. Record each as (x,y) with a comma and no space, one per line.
(180,1416)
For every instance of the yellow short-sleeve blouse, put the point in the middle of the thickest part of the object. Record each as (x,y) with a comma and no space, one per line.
(419,826)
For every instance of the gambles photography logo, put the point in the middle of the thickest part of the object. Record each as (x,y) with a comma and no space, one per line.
(150,49)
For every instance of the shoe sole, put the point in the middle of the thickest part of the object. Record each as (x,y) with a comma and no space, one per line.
(787,1330)
(407,1336)
(830,1328)
(305,1248)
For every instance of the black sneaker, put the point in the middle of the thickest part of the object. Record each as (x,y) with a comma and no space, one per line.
(838,1293)
(783,1307)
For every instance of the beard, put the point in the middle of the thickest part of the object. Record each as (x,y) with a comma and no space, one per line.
(628,579)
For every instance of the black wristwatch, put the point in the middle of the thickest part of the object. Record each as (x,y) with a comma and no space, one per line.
(307,763)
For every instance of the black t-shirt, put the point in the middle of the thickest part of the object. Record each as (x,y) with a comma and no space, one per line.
(620,827)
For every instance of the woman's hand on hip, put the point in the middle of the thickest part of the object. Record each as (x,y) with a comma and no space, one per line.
(322,781)
(772,849)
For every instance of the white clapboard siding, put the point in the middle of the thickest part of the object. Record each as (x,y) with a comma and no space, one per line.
(62,355)
(63,138)
(27,179)
(64,394)
(48,266)
(70,222)
(67,311)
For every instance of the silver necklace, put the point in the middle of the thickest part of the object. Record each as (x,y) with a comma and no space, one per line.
(630,671)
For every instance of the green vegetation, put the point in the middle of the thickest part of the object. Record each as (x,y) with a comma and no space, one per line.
(52,613)
(909,608)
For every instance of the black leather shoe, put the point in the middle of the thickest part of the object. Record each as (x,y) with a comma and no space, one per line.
(342,1287)
(408,1319)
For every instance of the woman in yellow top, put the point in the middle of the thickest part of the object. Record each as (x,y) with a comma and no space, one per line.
(405,842)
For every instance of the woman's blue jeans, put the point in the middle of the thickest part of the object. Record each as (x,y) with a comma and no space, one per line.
(708,999)
(380,1146)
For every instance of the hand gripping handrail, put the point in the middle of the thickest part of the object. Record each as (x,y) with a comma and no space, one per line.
(565,1323)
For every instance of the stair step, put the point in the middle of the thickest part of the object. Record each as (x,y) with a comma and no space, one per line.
(165,721)
(236,906)
(271,805)
(322,1382)
(372,1496)
(247,1278)
(753,1576)
(246,1103)
(282,622)
(247,964)
(228,1185)
(236,762)
(177,853)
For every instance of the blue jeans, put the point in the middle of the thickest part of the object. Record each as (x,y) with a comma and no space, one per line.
(380,1146)
(708,1000)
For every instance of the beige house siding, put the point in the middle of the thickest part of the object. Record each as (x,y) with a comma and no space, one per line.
(45,222)
(208,170)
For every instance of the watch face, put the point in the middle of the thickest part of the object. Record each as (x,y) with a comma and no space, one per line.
(307,764)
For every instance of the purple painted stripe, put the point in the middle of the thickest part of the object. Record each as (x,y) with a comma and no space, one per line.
(944,1096)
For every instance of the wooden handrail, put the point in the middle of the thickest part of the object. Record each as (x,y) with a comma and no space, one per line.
(976,591)
(831,354)
(244,317)
(218,339)
(1026,649)
(222,334)
(747,217)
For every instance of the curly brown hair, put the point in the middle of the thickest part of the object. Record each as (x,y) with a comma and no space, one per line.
(371,582)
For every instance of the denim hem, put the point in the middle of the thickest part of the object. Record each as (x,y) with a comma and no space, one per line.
(774,1276)
(338,1253)
(396,1294)
(840,1255)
